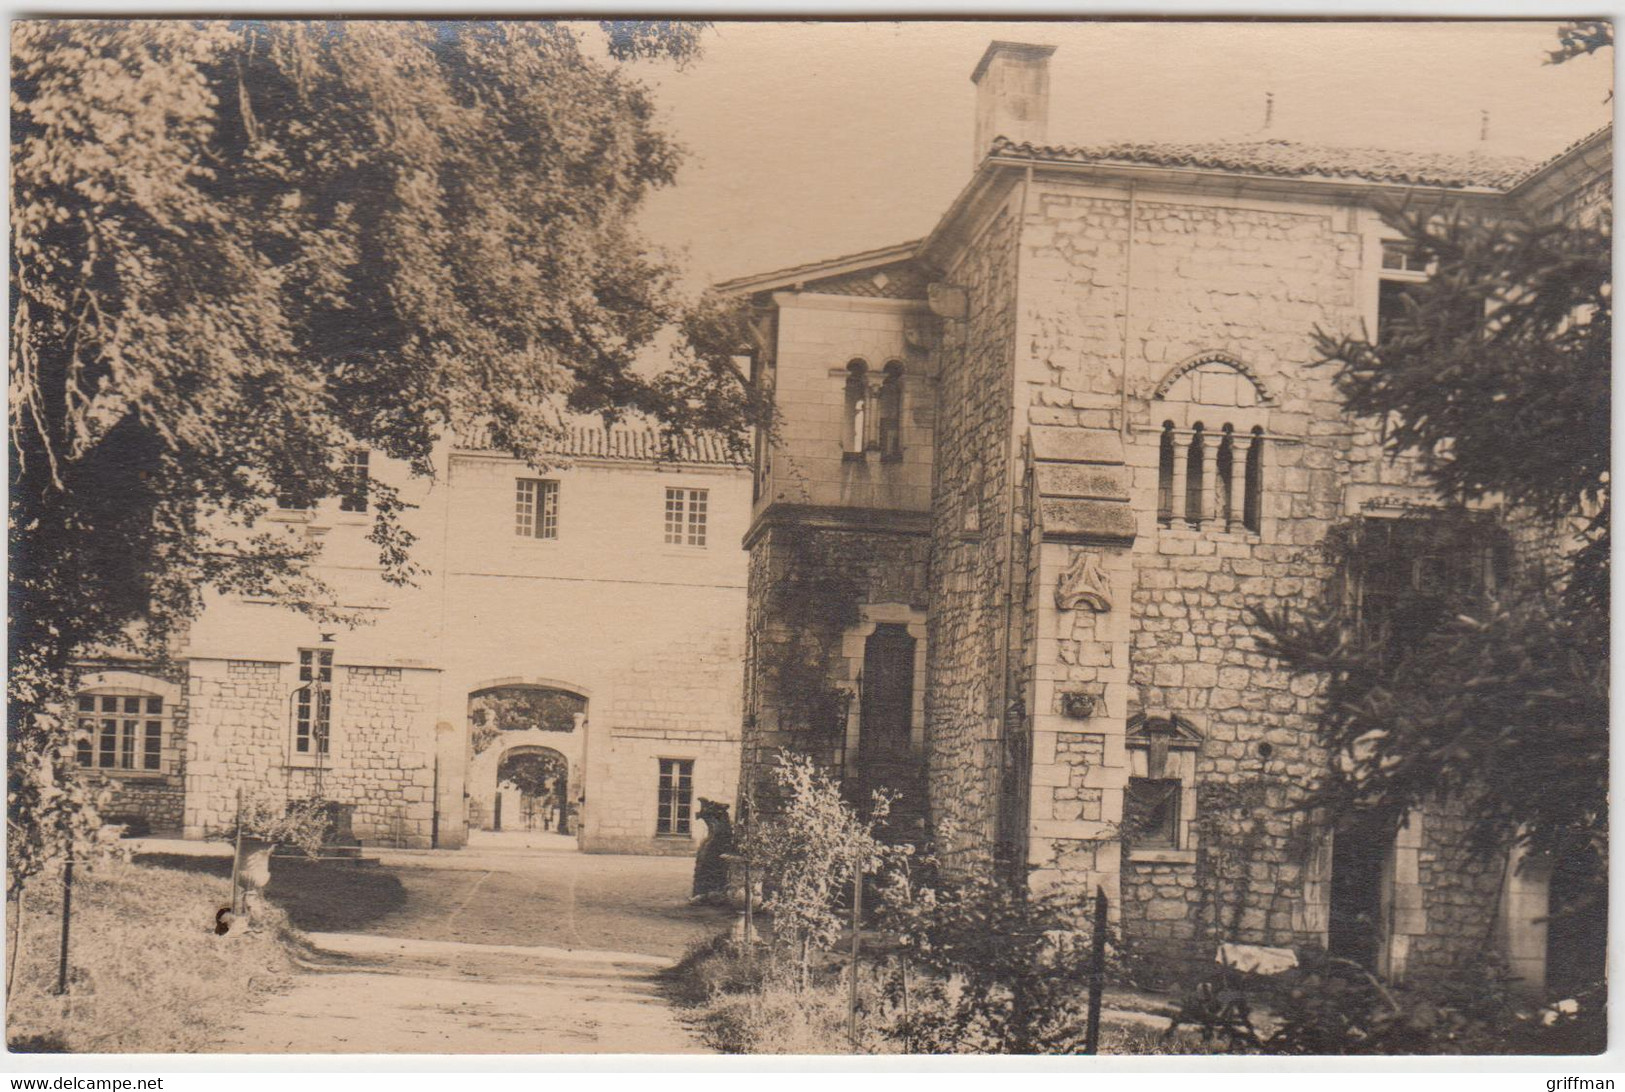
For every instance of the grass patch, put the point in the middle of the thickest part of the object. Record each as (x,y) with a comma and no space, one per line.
(147,972)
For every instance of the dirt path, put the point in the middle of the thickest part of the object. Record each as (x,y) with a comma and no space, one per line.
(368,994)
(499,948)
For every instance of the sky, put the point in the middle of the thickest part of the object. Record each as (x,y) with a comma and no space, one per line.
(813,140)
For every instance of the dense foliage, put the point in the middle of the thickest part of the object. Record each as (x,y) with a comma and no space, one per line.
(241,250)
(1496,379)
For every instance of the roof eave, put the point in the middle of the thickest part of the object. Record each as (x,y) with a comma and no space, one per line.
(985,179)
(813,271)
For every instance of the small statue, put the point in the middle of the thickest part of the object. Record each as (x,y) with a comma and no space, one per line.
(710,864)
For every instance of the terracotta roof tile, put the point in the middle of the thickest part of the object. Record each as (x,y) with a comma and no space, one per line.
(1291,159)
(629,443)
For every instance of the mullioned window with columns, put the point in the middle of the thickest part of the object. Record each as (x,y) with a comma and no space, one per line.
(1211,467)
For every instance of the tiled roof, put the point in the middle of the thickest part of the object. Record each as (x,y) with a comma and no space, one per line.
(1587,139)
(629,443)
(1291,159)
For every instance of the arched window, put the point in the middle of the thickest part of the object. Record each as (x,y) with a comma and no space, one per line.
(891,412)
(857,408)
(1194,465)
(121,728)
(1165,474)
(1253,505)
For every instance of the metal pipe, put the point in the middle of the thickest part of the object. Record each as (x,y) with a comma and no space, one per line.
(1128,299)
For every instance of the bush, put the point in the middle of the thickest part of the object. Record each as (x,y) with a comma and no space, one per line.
(805,854)
(148,973)
(1332,1006)
(997,969)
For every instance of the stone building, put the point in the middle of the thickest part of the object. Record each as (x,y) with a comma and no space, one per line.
(585,619)
(1035,470)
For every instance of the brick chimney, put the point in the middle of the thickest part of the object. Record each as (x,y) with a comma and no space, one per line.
(1012,94)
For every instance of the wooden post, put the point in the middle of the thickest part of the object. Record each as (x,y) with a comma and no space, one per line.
(237,851)
(16,939)
(67,915)
(1097,974)
(908,1031)
(857,924)
(750,919)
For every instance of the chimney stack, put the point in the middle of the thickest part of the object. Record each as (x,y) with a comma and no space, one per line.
(1012,95)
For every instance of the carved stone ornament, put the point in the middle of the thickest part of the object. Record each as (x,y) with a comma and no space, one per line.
(1083,584)
(1078,705)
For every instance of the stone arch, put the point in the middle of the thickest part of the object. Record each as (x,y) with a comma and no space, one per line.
(487,750)
(537,682)
(1261,394)
(513,765)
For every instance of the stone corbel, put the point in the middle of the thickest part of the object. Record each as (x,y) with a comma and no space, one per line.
(948,301)
(1084,584)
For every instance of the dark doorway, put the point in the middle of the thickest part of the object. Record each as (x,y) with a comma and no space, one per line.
(886,761)
(1577,930)
(1360,851)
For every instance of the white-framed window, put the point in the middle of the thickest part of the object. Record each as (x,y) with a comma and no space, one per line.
(122,729)
(313,703)
(685,516)
(356,478)
(536,508)
(1402,267)
(676,800)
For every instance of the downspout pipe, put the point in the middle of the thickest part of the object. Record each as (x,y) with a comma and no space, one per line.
(1013,484)
(1128,310)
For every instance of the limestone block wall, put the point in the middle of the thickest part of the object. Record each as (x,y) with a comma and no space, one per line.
(141,798)
(621,811)
(859,566)
(381,757)
(678,702)
(976,560)
(1244,283)
(819,334)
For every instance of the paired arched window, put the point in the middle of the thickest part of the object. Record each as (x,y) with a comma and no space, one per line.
(891,412)
(873,417)
(857,408)
(1211,476)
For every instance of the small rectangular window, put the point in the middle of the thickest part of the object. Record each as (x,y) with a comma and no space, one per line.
(1151,812)
(685,517)
(536,509)
(314,704)
(356,478)
(676,796)
(1403,257)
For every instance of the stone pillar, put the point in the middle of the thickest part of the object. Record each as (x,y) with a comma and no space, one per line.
(1239,443)
(1206,508)
(1181,461)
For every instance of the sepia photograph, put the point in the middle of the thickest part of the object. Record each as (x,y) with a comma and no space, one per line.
(837,537)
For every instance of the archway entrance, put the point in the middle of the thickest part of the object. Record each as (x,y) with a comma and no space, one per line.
(533,791)
(526,749)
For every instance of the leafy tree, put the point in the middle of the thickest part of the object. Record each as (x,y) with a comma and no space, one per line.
(1496,379)
(241,250)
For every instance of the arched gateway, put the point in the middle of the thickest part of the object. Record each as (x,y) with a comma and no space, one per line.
(525,758)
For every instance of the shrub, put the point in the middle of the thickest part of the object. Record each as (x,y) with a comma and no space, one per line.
(1005,971)
(805,855)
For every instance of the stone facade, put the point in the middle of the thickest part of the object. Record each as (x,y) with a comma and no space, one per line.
(1131,455)
(644,632)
